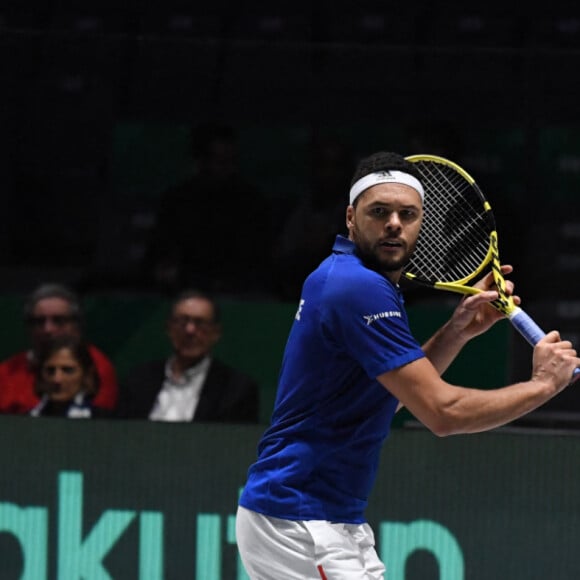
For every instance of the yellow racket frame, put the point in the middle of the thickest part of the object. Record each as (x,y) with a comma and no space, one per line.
(504,303)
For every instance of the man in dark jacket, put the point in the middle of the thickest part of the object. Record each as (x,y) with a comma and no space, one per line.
(190,385)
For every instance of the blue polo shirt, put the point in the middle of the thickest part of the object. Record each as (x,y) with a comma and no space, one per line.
(319,457)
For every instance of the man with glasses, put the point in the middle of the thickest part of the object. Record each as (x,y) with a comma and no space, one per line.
(51,310)
(190,385)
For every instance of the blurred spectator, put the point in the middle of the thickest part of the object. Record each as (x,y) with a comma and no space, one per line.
(312,224)
(211,232)
(51,310)
(191,385)
(66,380)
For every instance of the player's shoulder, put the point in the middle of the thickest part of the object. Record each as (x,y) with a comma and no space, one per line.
(356,286)
(355,278)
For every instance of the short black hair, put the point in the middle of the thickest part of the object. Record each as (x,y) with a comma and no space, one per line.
(202,295)
(383,161)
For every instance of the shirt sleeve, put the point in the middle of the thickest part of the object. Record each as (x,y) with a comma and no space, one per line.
(366,318)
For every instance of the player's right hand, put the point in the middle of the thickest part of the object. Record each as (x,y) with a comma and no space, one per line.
(554,361)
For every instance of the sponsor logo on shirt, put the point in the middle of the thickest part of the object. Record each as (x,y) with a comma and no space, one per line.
(370,318)
(299,311)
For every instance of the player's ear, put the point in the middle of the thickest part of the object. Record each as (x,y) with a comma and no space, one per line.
(349,216)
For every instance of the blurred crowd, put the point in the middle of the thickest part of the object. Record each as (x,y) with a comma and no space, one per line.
(62,374)
(215,233)
(219,231)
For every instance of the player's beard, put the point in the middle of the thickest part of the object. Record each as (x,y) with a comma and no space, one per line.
(369,254)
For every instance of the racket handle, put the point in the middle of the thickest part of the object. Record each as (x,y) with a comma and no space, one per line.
(531,331)
(526,326)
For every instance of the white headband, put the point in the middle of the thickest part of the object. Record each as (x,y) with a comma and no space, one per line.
(385,177)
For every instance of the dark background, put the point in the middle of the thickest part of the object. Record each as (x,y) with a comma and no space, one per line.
(97,99)
(493,85)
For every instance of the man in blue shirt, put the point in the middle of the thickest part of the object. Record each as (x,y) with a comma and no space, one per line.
(349,363)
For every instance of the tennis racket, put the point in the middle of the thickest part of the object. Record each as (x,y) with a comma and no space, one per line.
(458,240)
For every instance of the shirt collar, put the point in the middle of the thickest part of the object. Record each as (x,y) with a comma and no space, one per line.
(342,245)
(201,367)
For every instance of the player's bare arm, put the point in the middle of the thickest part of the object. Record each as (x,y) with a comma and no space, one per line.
(447,409)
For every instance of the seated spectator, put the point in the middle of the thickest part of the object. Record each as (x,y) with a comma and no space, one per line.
(190,385)
(211,231)
(66,380)
(51,310)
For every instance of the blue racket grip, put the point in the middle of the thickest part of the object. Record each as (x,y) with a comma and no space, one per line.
(531,331)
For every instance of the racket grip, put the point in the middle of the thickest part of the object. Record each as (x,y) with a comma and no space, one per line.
(526,326)
(531,331)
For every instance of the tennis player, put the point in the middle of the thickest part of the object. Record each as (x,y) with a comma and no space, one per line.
(350,362)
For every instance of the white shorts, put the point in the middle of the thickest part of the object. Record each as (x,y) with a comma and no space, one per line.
(276,549)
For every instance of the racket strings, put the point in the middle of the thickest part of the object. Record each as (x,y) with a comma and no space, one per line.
(454,238)
(451,248)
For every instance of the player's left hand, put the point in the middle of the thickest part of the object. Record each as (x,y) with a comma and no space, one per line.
(474,315)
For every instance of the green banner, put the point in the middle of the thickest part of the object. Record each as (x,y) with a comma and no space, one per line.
(99,500)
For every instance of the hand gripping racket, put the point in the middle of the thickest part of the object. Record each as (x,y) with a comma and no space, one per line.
(458,240)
